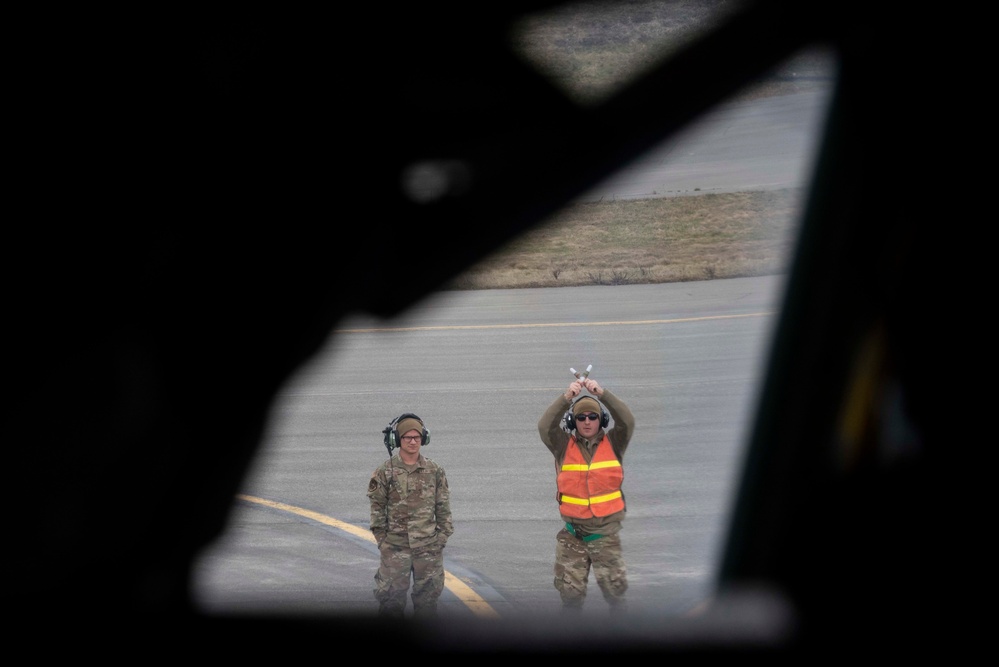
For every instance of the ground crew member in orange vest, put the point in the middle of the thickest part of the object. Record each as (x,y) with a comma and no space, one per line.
(589,459)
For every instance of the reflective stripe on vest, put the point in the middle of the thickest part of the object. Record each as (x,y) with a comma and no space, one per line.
(592,501)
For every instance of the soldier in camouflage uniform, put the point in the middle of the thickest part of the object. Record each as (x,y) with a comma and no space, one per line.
(410,520)
(589,473)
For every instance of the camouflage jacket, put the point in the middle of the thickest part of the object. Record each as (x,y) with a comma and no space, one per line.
(410,505)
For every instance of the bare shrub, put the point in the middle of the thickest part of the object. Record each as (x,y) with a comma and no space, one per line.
(619,277)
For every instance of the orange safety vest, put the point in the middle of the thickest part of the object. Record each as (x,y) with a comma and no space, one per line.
(590,489)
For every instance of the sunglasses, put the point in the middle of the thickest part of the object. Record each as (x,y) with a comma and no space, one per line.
(583,416)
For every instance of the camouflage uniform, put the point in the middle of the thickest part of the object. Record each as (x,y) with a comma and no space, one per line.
(411,521)
(595,542)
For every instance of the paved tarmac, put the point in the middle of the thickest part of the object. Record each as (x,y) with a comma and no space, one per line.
(480,367)
(740,146)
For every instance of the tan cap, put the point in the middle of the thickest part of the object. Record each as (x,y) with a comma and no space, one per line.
(408,424)
(586,404)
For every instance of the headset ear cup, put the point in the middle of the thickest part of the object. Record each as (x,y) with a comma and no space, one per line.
(604,418)
(567,420)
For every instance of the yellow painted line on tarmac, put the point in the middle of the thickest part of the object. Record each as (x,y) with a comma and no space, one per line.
(457,327)
(462,591)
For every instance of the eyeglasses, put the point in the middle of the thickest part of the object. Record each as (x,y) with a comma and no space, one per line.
(583,416)
(411,438)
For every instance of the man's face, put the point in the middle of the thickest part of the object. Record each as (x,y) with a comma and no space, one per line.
(411,441)
(587,424)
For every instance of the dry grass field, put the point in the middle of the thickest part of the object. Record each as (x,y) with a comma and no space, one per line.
(667,239)
(590,50)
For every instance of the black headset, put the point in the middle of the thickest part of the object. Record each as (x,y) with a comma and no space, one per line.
(569,420)
(393,437)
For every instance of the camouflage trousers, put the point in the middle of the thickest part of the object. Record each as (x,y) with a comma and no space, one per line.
(573,559)
(426,567)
